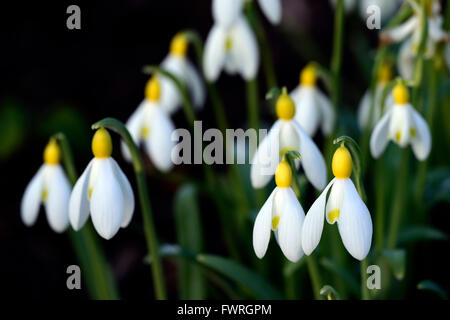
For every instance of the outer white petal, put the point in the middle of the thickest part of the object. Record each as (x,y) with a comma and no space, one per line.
(363,110)
(57,204)
(195,85)
(307,112)
(79,199)
(159,144)
(272,10)
(225,12)
(127,192)
(400,32)
(290,226)
(134,126)
(327,112)
(311,159)
(107,201)
(214,53)
(170,96)
(266,158)
(435,30)
(313,223)
(421,144)
(245,49)
(379,138)
(32,198)
(262,227)
(355,223)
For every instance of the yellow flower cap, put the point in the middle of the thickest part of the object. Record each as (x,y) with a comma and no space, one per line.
(283,175)
(342,163)
(285,106)
(308,76)
(401,94)
(52,152)
(179,45)
(153,89)
(101,144)
(385,73)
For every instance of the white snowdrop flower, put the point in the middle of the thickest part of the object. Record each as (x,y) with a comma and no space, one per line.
(283,214)
(49,187)
(349,5)
(103,190)
(314,109)
(364,112)
(287,134)
(344,206)
(151,125)
(411,31)
(403,125)
(232,48)
(178,64)
(387,8)
(225,12)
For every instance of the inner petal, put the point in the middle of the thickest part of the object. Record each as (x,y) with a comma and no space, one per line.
(277,208)
(335,201)
(289,139)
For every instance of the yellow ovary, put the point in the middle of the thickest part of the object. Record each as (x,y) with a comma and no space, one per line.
(308,76)
(179,45)
(285,106)
(153,89)
(333,215)
(101,144)
(342,163)
(52,153)
(283,175)
(401,94)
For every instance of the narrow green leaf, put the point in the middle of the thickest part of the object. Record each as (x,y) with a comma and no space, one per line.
(419,233)
(397,261)
(342,273)
(329,292)
(434,287)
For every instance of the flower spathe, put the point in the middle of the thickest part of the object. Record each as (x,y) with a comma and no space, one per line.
(313,107)
(103,190)
(151,125)
(402,125)
(282,214)
(344,206)
(49,187)
(286,134)
(226,11)
(177,63)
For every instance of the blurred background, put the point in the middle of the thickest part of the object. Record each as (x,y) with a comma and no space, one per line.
(54,79)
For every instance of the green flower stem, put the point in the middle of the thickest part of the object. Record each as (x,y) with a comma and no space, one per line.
(99,279)
(252,103)
(149,227)
(365,294)
(380,207)
(316,281)
(336,59)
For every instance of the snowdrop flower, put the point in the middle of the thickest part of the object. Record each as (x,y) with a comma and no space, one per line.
(51,188)
(384,77)
(103,190)
(286,134)
(283,214)
(403,125)
(226,11)
(344,206)
(411,31)
(151,125)
(233,48)
(177,63)
(313,107)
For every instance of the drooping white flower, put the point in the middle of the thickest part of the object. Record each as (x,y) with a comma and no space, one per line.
(151,125)
(177,63)
(283,214)
(344,206)
(402,125)
(411,31)
(364,112)
(49,187)
(313,107)
(233,48)
(287,134)
(225,12)
(103,190)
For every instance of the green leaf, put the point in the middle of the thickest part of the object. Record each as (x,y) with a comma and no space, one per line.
(434,287)
(190,236)
(397,261)
(329,292)
(419,233)
(273,93)
(256,285)
(438,186)
(342,273)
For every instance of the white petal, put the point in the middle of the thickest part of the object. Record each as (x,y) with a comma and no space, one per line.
(421,144)
(266,158)
(290,226)
(225,12)
(327,112)
(272,10)
(195,85)
(57,204)
(335,199)
(159,144)
(313,223)
(311,159)
(307,112)
(364,110)
(399,129)
(32,198)
(134,126)
(355,223)
(214,53)
(170,96)
(79,199)
(405,60)
(107,201)
(379,138)
(400,32)
(127,192)
(262,227)
(435,31)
